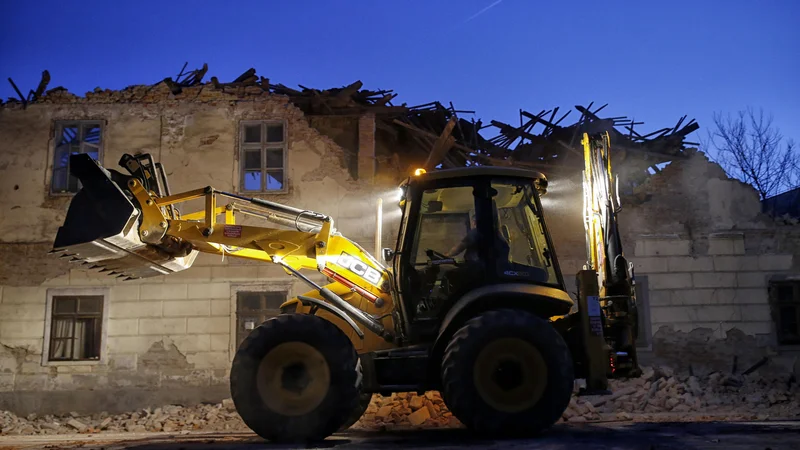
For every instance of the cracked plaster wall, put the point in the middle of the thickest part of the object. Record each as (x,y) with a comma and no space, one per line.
(170,339)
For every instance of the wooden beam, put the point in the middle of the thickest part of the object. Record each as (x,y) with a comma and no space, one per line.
(442,145)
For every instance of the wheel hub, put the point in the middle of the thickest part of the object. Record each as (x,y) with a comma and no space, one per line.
(510,375)
(293,378)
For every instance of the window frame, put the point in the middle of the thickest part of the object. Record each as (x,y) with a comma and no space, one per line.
(263,147)
(266,285)
(68,292)
(58,127)
(776,305)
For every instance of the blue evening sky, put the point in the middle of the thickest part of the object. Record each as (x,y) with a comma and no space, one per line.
(653,61)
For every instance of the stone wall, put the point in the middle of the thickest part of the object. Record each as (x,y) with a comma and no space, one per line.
(166,339)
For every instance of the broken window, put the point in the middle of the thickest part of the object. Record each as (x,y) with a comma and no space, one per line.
(255,307)
(263,156)
(73,137)
(786,300)
(76,327)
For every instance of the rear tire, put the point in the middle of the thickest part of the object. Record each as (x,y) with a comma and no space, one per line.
(295,378)
(507,372)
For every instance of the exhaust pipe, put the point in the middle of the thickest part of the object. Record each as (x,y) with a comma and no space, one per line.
(102,228)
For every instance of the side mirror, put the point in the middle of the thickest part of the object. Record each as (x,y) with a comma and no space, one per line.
(388,254)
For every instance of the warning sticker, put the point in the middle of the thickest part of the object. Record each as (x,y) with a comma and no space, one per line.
(593,306)
(232,231)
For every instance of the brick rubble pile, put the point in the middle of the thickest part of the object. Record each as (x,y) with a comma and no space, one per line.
(658,395)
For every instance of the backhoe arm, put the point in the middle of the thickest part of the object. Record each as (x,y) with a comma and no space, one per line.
(125,227)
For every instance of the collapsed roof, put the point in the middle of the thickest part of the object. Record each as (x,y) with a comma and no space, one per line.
(542,140)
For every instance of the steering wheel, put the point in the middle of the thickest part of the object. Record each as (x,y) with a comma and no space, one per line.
(437,258)
(433,253)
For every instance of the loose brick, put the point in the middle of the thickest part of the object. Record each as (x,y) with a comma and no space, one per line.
(123,327)
(163,291)
(210,290)
(187,308)
(690,264)
(162,326)
(125,310)
(775,262)
(670,281)
(208,325)
(713,280)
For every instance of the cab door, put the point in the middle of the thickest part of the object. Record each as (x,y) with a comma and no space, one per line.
(440,251)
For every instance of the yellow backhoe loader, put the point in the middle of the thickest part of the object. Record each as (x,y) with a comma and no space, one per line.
(470,301)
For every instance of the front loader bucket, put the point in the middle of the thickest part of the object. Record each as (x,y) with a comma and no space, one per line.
(102,228)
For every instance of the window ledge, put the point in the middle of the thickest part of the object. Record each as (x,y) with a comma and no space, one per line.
(95,362)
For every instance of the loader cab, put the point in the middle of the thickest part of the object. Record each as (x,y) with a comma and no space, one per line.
(464,229)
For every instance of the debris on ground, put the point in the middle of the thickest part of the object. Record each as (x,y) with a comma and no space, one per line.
(658,395)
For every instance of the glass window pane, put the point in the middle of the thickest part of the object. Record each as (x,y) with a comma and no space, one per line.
(252,180)
(275,180)
(61,348)
(788,322)
(785,293)
(61,159)
(275,159)
(69,136)
(252,133)
(249,301)
(275,133)
(65,305)
(90,304)
(59,180)
(252,159)
(274,299)
(91,134)
(92,153)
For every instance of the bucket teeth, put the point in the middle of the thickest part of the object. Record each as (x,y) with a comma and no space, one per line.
(104,270)
(129,278)
(121,276)
(95,266)
(75,260)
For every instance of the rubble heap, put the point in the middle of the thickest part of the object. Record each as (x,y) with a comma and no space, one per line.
(658,395)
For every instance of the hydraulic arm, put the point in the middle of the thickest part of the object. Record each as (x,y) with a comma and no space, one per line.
(606,285)
(143,222)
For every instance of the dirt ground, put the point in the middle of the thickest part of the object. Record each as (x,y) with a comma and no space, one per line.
(617,435)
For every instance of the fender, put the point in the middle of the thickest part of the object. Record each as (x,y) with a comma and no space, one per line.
(306,301)
(540,300)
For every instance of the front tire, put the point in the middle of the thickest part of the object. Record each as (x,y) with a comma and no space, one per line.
(363,403)
(295,378)
(507,372)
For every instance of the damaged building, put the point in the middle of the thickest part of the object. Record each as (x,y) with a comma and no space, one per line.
(718,280)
